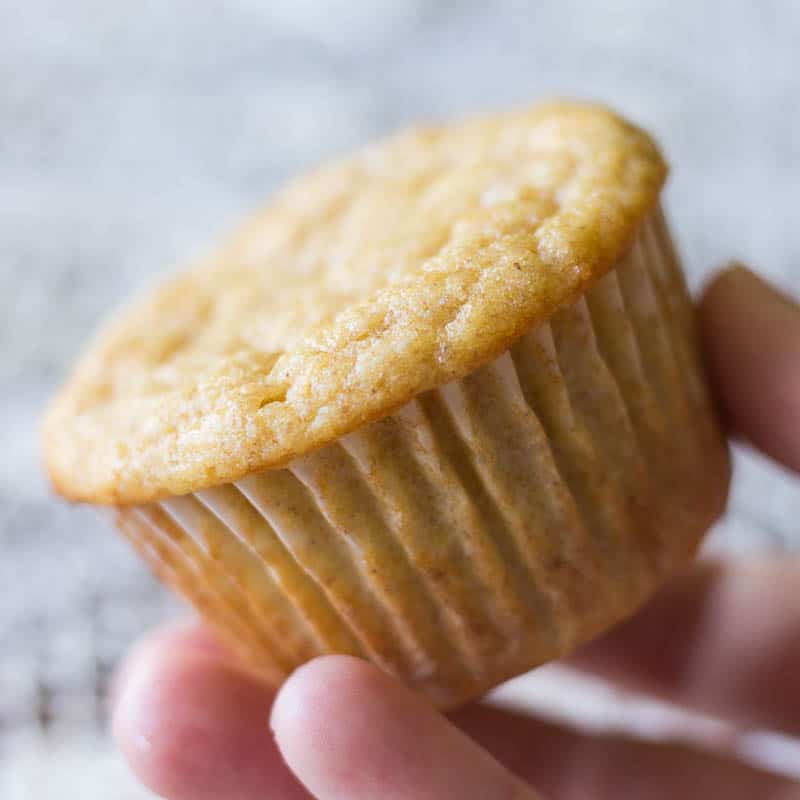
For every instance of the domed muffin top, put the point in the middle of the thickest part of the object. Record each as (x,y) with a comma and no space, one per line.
(362,284)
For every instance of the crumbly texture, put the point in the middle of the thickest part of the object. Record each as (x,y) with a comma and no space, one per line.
(363,284)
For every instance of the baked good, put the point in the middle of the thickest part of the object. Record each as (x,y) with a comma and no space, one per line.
(438,405)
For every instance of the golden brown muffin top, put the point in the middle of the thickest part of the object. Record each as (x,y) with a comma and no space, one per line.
(362,284)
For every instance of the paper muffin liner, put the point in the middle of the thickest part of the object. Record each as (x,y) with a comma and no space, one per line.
(487,526)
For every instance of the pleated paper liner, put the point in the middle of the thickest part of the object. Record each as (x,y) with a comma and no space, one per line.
(489,525)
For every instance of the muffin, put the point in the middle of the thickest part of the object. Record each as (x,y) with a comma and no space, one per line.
(439,405)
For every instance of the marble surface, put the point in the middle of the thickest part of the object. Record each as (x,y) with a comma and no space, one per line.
(134,134)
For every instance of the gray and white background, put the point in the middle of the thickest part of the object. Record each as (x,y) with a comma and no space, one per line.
(133,135)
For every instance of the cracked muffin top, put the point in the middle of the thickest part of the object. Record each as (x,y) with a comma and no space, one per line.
(362,284)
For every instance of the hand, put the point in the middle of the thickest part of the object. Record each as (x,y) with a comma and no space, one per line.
(193,727)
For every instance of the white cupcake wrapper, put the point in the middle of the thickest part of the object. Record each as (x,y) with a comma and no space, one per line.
(487,526)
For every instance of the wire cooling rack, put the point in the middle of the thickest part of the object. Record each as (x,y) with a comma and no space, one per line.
(55,675)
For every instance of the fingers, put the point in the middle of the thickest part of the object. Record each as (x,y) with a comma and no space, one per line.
(351,733)
(194,728)
(751,336)
(724,639)
(568,765)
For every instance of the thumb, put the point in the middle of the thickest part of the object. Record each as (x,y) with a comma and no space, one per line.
(751,336)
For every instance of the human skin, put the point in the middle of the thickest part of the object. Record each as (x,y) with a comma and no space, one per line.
(194,727)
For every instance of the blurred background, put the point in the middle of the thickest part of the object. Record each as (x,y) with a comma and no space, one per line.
(133,135)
